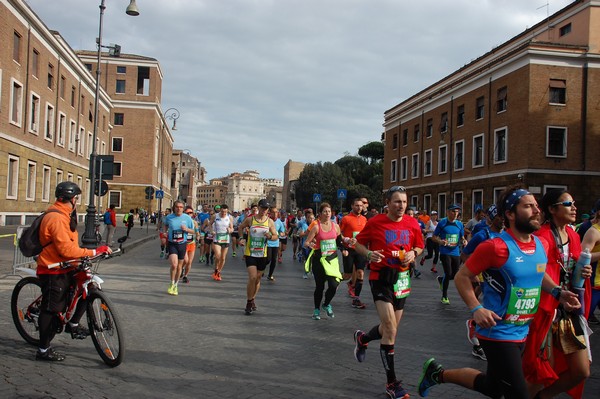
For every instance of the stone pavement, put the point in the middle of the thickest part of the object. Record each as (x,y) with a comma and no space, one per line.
(201,345)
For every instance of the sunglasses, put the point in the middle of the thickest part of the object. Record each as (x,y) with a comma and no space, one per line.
(189,213)
(565,203)
(393,189)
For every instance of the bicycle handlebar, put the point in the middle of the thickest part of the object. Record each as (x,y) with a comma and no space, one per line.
(68,263)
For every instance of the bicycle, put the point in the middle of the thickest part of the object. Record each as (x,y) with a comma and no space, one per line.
(103,321)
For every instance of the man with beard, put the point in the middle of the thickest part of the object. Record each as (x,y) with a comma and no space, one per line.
(513,267)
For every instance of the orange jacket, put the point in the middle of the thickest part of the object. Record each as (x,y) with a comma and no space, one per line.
(60,243)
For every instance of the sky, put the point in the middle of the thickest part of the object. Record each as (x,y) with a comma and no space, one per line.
(260,82)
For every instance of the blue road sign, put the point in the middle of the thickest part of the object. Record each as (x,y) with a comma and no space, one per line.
(159,194)
(316,197)
(342,194)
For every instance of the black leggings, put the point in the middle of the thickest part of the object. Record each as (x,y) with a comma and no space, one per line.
(451,264)
(272,253)
(504,376)
(320,279)
(433,250)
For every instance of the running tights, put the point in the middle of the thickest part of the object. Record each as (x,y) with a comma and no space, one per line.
(320,279)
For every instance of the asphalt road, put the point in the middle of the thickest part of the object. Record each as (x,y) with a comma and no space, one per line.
(201,345)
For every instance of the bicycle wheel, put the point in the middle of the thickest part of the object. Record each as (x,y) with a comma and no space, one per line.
(25,308)
(104,325)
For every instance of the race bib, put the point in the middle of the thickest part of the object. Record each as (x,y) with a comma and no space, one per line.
(402,286)
(222,238)
(328,247)
(257,246)
(178,235)
(522,305)
(452,240)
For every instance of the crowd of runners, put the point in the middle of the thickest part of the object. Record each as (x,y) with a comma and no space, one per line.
(519,267)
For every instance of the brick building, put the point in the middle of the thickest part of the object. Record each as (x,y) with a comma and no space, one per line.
(525,112)
(291,173)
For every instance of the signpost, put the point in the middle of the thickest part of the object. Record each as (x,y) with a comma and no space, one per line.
(316,200)
(342,194)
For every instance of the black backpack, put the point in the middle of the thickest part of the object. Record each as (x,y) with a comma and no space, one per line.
(29,243)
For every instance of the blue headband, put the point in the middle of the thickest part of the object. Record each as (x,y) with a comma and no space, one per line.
(513,199)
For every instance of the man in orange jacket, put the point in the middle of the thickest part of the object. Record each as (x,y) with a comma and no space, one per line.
(59,237)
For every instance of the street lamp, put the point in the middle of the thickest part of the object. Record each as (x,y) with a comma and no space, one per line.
(89,237)
(170,114)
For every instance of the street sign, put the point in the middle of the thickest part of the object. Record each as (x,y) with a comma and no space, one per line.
(316,197)
(103,188)
(160,194)
(149,190)
(105,166)
(342,194)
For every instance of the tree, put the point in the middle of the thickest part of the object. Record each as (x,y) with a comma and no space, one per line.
(373,151)
(320,178)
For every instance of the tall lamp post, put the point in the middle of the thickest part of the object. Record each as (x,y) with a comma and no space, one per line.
(169,114)
(89,237)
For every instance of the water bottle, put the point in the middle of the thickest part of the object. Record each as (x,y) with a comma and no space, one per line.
(585,258)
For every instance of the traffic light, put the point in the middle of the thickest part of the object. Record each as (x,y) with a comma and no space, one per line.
(149,196)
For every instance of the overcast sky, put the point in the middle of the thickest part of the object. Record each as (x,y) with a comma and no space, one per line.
(260,82)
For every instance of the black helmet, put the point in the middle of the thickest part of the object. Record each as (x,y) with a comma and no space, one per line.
(66,190)
(263,203)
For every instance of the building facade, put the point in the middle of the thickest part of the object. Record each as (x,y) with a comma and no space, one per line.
(291,173)
(187,174)
(524,113)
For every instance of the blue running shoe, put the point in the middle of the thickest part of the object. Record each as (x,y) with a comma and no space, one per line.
(394,390)
(316,315)
(430,376)
(329,310)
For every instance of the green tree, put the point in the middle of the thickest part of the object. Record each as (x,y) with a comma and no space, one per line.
(373,151)
(320,178)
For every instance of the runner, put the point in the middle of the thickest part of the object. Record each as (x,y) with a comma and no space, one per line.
(178,224)
(234,235)
(513,266)
(162,232)
(260,229)
(323,259)
(201,218)
(273,245)
(591,240)
(283,236)
(393,241)
(433,248)
(303,225)
(221,227)
(449,234)
(294,232)
(191,246)
(354,264)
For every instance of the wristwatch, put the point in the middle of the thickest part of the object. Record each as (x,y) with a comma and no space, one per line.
(556,291)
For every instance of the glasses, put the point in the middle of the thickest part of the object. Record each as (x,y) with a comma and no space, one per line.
(565,203)
(189,213)
(393,189)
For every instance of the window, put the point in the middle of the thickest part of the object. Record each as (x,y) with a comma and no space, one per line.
(414,201)
(458,198)
(459,155)
(558,91)
(429,127)
(427,163)
(479,108)
(427,202)
(72,135)
(444,123)
(443,159)
(46,183)
(405,137)
(31,170)
(119,118)
(34,113)
(143,81)
(79,141)
(62,129)
(393,171)
(415,166)
(477,199)
(35,63)
(117,169)
(501,101)
(403,168)
(17,47)
(50,76)
(59,176)
(82,104)
(16,103)
(416,133)
(73,95)
(88,66)
(120,86)
(460,115)
(497,192)
(441,203)
(12,177)
(395,141)
(478,151)
(500,138)
(121,69)
(563,30)
(114,197)
(556,142)
(49,130)
(61,87)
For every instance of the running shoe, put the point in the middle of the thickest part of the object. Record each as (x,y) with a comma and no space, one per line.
(305,275)
(440,281)
(316,314)
(445,301)
(233,254)
(471,332)
(417,273)
(248,309)
(279,260)
(360,350)
(394,390)
(175,290)
(185,280)
(218,276)
(170,289)
(329,310)
(433,270)
(478,352)
(351,293)
(422,261)
(270,278)
(356,303)
(430,376)
(50,355)
(162,254)
(253,304)
(214,275)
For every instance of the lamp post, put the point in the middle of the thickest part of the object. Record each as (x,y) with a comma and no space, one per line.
(169,114)
(89,237)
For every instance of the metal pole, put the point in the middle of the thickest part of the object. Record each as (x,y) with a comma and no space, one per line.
(89,238)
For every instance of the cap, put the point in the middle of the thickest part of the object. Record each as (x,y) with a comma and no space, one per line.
(217,207)
(263,203)
(492,211)
(434,212)
(453,207)
(585,216)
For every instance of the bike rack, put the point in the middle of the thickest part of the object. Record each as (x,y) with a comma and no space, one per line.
(20,260)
